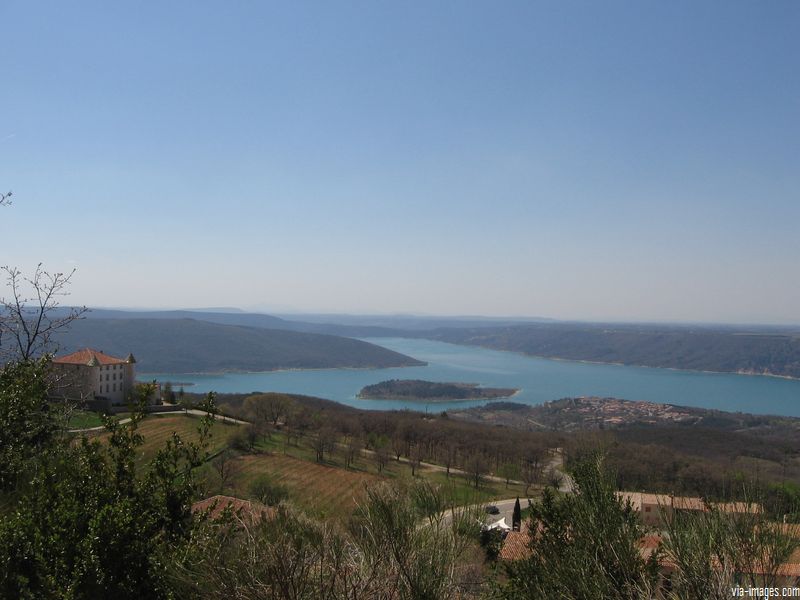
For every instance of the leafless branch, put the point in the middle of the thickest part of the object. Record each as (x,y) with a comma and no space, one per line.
(30,315)
(5,199)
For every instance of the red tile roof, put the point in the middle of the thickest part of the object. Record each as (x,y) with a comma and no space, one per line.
(516,545)
(251,512)
(82,357)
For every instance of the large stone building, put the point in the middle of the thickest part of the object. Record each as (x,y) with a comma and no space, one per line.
(98,379)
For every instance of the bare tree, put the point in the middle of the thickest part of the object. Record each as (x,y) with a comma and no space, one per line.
(530,476)
(450,456)
(324,441)
(31,315)
(277,404)
(226,469)
(5,199)
(476,468)
(415,458)
(258,411)
(352,450)
(399,446)
(509,471)
(381,457)
(532,468)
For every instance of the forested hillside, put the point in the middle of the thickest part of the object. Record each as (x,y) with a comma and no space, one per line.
(702,349)
(188,345)
(762,350)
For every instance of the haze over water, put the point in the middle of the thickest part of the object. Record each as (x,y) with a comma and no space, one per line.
(540,380)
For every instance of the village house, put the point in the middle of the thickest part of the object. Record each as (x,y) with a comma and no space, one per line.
(95,378)
(654,508)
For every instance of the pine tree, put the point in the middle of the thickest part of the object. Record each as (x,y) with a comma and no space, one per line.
(516,519)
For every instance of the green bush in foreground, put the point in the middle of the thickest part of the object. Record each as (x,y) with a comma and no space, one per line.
(86,523)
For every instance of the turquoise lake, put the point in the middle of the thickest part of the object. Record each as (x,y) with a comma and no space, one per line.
(539,379)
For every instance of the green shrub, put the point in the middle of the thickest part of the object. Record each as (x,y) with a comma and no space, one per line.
(266,490)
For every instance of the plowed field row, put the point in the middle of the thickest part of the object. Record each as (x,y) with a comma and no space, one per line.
(323,489)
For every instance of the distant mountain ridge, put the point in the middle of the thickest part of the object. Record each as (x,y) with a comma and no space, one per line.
(247,320)
(678,347)
(771,350)
(191,345)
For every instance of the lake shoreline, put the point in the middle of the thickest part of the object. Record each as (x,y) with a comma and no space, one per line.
(614,364)
(539,380)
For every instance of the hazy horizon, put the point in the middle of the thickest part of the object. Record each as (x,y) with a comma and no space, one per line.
(613,162)
(296,314)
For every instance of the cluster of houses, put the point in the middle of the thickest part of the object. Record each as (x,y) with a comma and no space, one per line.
(100,381)
(653,511)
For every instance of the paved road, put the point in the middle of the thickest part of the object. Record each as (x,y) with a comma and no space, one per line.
(223,418)
(506,510)
(557,463)
(505,505)
(195,412)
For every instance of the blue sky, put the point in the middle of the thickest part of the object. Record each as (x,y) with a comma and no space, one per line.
(627,161)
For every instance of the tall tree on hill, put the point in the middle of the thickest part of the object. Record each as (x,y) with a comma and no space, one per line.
(516,518)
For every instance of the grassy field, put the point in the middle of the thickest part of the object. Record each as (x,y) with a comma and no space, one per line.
(157,429)
(329,490)
(84,419)
(323,490)
(316,486)
(326,489)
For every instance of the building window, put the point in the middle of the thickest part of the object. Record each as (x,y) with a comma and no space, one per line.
(114,389)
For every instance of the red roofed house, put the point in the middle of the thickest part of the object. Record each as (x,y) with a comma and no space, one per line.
(245,510)
(652,508)
(91,376)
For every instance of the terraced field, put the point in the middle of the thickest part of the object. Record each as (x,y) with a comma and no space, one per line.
(326,490)
(321,489)
(157,429)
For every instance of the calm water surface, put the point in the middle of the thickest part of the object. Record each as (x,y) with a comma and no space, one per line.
(539,379)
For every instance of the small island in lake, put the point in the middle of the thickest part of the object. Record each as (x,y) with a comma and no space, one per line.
(417,390)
